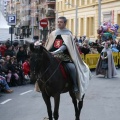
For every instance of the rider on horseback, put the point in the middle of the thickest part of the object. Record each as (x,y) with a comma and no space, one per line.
(59,50)
(62,45)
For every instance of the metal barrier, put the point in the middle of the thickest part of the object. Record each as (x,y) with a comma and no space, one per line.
(83,57)
(91,60)
(115,57)
(119,58)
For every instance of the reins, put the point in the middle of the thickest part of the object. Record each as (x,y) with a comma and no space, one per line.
(40,78)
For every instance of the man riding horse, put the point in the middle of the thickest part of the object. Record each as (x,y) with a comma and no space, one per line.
(61,44)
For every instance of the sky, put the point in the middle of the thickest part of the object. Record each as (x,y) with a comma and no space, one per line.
(3,22)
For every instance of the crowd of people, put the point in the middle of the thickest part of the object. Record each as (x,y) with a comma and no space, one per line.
(14,65)
(86,46)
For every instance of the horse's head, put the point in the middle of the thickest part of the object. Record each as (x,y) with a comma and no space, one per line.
(39,57)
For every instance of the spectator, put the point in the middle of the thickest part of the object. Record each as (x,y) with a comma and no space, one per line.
(4,85)
(93,50)
(26,68)
(12,77)
(0,56)
(16,47)
(80,40)
(99,48)
(3,70)
(21,55)
(114,46)
(9,51)
(118,45)
(2,49)
(75,39)
(85,49)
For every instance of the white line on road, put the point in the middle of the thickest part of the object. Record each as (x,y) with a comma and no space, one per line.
(5,101)
(26,92)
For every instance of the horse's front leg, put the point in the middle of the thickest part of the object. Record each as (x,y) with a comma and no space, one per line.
(48,104)
(56,106)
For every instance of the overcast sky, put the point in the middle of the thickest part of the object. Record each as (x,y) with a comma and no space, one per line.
(3,22)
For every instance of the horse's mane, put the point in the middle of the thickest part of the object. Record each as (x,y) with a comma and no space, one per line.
(43,58)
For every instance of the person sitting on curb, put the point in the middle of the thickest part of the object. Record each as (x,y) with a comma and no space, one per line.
(4,85)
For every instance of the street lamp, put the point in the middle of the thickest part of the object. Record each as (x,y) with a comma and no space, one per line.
(76,16)
(99,12)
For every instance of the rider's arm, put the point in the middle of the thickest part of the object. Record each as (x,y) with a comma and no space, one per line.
(59,50)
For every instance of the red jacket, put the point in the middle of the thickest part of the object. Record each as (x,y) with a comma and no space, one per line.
(26,67)
(2,50)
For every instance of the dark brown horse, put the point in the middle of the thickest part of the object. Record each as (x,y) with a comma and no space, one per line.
(51,81)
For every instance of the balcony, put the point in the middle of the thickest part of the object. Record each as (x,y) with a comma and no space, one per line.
(50,2)
(50,14)
(17,1)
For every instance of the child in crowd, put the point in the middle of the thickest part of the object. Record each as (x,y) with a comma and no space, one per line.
(26,68)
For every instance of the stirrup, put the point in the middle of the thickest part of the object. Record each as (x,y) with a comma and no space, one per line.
(76,90)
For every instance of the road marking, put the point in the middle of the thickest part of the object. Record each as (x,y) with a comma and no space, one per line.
(5,101)
(26,92)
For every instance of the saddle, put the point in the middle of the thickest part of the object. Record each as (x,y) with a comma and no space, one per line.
(65,71)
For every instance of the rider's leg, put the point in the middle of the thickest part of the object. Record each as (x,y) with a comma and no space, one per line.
(73,74)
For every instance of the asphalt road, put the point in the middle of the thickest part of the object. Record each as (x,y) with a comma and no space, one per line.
(102,102)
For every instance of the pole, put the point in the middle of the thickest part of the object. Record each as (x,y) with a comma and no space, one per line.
(76,20)
(32,29)
(99,12)
(11,34)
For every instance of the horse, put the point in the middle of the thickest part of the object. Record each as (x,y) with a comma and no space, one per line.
(51,81)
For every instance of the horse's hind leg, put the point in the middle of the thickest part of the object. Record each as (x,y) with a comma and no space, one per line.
(56,106)
(48,104)
(80,105)
(75,104)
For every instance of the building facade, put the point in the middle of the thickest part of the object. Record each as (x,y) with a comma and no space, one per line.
(3,7)
(88,15)
(29,13)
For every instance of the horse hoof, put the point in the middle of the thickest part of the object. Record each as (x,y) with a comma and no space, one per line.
(46,118)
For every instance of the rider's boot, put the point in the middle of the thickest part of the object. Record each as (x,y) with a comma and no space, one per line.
(75,85)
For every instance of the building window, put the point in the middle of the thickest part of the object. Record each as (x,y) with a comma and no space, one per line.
(82,2)
(57,6)
(68,22)
(93,1)
(65,6)
(72,26)
(90,26)
(73,2)
(60,7)
(88,2)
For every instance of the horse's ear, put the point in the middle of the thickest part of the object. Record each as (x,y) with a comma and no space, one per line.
(32,47)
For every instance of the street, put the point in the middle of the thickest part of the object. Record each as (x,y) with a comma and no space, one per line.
(102,102)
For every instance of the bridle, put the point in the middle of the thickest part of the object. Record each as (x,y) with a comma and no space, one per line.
(39,77)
